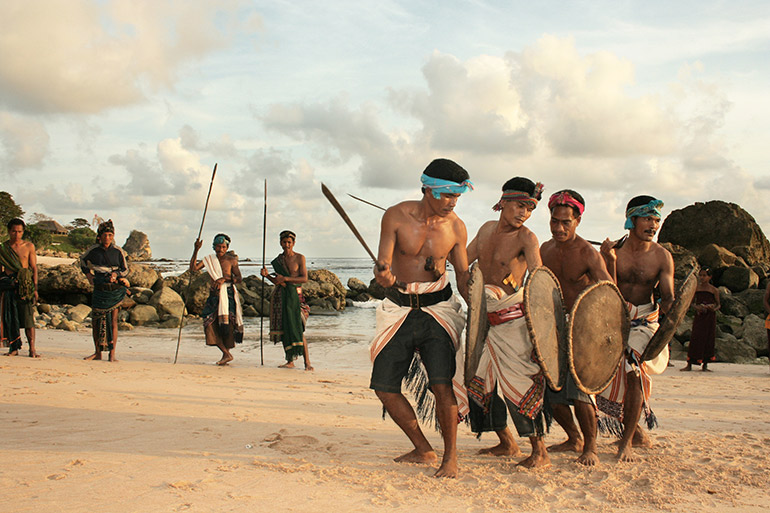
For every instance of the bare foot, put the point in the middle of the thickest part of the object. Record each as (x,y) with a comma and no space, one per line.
(417,457)
(112,356)
(567,446)
(95,356)
(535,460)
(588,458)
(502,449)
(12,353)
(309,368)
(625,453)
(447,469)
(34,354)
(287,365)
(706,369)
(640,439)
(225,360)
(686,369)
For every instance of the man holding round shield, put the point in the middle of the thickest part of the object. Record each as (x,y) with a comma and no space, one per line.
(576,264)
(639,266)
(506,250)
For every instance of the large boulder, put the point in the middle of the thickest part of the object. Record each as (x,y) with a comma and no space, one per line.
(731,305)
(57,281)
(330,288)
(142,275)
(143,314)
(79,313)
(753,299)
(755,334)
(167,303)
(684,260)
(730,349)
(717,222)
(137,246)
(738,278)
(716,257)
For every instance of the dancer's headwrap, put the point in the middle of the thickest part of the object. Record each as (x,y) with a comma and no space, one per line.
(516,195)
(287,234)
(220,238)
(647,210)
(564,198)
(105,227)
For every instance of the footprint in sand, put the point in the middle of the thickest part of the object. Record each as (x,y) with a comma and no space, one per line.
(56,477)
(599,476)
(291,444)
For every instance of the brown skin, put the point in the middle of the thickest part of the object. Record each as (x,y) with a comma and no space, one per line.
(105,240)
(577,265)
(639,266)
(26,252)
(502,248)
(411,232)
(704,284)
(231,273)
(295,262)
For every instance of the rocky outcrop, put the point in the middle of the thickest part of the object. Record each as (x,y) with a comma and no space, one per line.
(137,246)
(716,222)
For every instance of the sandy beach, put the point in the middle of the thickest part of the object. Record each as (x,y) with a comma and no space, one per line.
(145,435)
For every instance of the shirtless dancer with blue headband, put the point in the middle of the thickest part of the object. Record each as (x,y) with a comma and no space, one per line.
(638,266)
(422,314)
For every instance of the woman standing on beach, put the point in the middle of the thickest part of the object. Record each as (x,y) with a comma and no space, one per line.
(706,303)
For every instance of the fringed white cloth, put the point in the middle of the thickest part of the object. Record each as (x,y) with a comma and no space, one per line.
(214,268)
(448,314)
(507,358)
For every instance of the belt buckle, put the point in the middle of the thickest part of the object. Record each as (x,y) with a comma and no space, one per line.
(414,301)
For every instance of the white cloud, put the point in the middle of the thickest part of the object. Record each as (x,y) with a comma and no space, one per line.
(24,141)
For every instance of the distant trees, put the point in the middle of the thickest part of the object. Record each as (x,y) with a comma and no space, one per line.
(8,208)
(81,238)
(38,236)
(79,222)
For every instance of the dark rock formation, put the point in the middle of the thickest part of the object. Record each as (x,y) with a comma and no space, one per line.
(137,246)
(717,222)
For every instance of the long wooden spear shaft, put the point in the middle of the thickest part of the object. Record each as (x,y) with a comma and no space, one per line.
(618,244)
(261,305)
(189,279)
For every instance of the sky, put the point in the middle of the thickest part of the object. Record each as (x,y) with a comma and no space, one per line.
(121,109)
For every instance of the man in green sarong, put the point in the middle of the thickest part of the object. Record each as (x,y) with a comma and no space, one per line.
(288,310)
(105,267)
(18,290)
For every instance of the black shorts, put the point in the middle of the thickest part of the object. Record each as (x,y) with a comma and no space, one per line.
(419,332)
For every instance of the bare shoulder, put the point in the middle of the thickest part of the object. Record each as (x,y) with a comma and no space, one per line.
(663,254)
(401,209)
(528,236)
(28,245)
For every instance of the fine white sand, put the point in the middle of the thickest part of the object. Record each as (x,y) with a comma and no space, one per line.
(143,435)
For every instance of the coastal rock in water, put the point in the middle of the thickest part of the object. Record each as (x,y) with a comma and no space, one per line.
(376,290)
(167,303)
(137,246)
(717,222)
(142,275)
(738,278)
(357,286)
(143,314)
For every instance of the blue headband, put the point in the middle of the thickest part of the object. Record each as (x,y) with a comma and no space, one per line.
(221,239)
(650,209)
(438,186)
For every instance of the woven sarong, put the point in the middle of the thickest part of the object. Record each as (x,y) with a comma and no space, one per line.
(106,298)
(222,313)
(10,333)
(288,313)
(449,315)
(644,324)
(508,359)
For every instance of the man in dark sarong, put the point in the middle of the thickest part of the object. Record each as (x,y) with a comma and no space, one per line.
(18,290)
(288,310)
(704,326)
(104,265)
(222,314)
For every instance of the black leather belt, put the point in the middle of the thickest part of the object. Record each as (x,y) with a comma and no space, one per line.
(417,301)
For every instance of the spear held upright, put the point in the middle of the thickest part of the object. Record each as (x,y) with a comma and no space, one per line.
(189,279)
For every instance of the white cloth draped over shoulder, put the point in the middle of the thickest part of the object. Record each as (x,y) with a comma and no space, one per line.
(214,268)
(448,314)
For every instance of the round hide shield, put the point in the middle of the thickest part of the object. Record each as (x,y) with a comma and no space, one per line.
(478,324)
(676,313)
(597,334)
(544,312)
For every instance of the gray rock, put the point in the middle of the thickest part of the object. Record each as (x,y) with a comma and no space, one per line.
(311,290)
(356,285)
(684,330)
(250,311)
(44,308)
(124,326)
(137,246)
(141,315)
(142,275)
(755,334)
(730,349)
(247,296)
(79,313)
(171,322)
(730,324)
(167,302)
(739,278)
(716,257)
(753,299)
(733,306)
(376,290)
(67,325)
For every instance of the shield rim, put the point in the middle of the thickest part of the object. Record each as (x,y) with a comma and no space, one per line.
(624,335)
(483,327)
(555,384)
(673,316)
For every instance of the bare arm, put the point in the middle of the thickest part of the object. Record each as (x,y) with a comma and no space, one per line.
(459,259)
(473,250)
(387,245)
(532,252)
(596,266)
(235,272)
(718,304)
(33,266)
(610,258)
(666,282)
(195,264)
